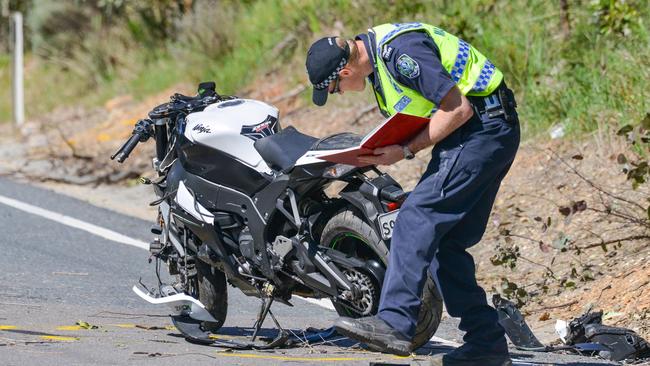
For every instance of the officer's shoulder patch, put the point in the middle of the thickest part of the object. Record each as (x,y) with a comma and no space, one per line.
(408,66)
(385,54)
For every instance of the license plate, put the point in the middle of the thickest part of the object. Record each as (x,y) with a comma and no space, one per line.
(387,223)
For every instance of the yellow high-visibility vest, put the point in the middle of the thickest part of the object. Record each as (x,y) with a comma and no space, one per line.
(472,72)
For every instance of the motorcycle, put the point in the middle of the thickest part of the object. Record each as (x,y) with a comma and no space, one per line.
(245,202)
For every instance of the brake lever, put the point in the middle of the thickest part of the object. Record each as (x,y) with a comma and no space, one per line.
(143,128)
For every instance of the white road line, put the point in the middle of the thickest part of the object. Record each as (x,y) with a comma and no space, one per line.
(323,303)
(70,221)
(123,239)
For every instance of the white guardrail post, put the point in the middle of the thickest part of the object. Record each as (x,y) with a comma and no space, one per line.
(18,93)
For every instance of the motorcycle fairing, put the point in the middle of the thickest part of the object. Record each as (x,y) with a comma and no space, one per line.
(181,304)
(225,122)
(266,128)
(221,168)
(186,200)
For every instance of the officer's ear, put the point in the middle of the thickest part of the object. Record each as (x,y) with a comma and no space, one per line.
(345,73)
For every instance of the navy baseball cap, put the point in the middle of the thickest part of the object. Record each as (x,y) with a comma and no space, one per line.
(324,61)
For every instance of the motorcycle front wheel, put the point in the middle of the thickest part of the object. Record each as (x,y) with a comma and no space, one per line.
(213,293)
(347,231)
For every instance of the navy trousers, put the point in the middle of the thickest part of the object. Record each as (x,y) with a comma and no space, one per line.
(447,213)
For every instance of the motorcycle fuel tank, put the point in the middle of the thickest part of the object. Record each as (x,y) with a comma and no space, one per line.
(232,127)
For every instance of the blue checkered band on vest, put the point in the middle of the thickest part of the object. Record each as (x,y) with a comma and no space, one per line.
(461,61)
(484,78)
(325,83)
(395,86)
(399,28)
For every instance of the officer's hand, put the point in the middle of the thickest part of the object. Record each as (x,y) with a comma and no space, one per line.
(384,155)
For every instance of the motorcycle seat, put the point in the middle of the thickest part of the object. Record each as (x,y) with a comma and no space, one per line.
(281,150)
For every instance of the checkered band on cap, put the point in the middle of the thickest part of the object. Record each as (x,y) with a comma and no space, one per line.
(484,78)
(325,83)
(461,61)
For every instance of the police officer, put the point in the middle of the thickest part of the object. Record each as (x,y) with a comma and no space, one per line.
(422,70)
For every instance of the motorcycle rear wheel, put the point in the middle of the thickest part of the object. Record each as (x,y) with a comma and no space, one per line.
(349,232)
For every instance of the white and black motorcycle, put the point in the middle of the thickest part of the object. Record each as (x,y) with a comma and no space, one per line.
(244,202)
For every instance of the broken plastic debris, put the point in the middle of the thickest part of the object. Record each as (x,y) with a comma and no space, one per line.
(514,324)
(562,329)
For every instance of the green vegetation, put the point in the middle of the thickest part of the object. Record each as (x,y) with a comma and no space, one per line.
(5,87)
(583,66)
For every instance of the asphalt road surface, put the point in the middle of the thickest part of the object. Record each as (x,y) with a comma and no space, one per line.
(66,299)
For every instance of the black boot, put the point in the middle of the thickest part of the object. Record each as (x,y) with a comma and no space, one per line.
(466,355)
(375,332)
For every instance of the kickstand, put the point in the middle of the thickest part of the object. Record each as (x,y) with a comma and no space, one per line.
(261,316)
(265,310)
(193,331)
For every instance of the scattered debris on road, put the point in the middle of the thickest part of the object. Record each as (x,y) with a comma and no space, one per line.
(585,335)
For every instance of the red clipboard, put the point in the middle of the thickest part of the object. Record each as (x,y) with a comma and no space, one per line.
(396,130)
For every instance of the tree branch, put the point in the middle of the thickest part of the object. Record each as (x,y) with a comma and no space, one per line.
(539,264)
(552,307)
(290,94)
(622,216)
(72,148)
(592,184)
(611,241)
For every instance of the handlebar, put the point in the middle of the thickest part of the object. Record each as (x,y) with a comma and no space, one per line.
(123,153)
(144,128)
(141,133)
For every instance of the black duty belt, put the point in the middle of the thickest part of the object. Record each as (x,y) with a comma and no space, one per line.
(500,103)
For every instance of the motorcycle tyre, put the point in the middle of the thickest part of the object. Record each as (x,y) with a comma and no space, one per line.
(349,221)
(213,293)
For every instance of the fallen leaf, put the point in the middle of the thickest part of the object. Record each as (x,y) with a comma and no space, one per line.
(86,325)
(544,247)
(565,211)
(544,317)
(579,206)
(624,130)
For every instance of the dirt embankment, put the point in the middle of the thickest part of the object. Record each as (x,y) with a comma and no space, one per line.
(562,264)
